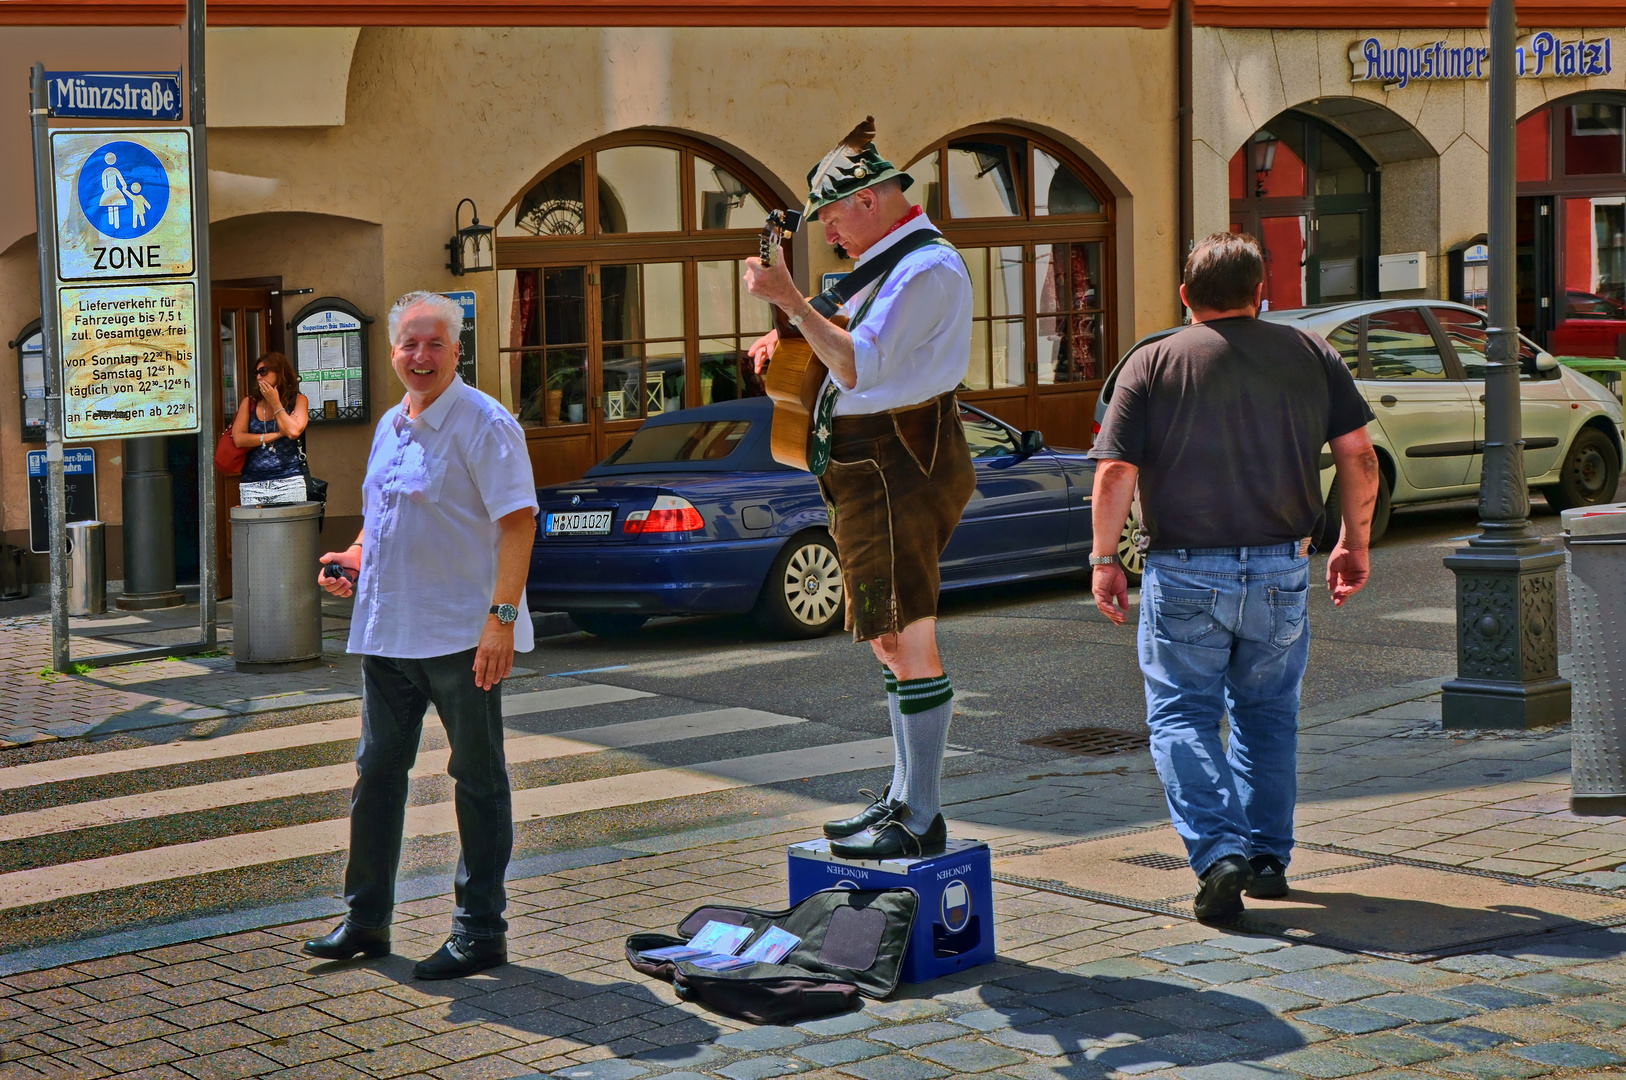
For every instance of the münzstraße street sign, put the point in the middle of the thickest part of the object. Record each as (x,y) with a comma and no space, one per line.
(116,95)
(129,355)
(123,203)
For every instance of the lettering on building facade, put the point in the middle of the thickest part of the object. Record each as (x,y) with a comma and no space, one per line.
(1543,55)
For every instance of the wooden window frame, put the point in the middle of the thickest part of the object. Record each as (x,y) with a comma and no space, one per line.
(1028,231)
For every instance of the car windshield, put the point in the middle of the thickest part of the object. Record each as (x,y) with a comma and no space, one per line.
(704,440)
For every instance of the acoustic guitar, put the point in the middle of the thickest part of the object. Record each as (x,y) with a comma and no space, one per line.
(794,373)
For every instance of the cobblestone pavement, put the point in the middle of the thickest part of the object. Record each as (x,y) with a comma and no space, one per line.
(40,704)
(1117,993)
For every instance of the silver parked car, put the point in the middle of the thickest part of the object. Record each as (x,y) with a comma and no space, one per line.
(1421,365)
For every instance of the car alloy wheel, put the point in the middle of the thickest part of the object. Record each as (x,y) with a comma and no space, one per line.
(812,584)
(1129,552)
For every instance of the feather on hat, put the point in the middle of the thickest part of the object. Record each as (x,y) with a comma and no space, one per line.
(853,165)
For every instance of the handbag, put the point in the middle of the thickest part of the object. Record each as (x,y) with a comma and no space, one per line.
(229,457)
(315,489)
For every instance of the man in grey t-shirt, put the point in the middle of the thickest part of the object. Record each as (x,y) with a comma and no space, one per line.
(1221,425)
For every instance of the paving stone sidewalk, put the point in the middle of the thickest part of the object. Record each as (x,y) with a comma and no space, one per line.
(1081,989)
(41,704)
(1118,994)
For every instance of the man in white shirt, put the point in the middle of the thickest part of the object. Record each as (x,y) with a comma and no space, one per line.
(899,472)
(449,517)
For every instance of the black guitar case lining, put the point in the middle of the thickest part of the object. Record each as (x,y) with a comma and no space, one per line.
(853,944)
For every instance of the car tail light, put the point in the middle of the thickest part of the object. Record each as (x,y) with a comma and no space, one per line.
(670,514)
(1095,427)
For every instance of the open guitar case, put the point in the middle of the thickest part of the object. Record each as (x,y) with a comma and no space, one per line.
(853,945)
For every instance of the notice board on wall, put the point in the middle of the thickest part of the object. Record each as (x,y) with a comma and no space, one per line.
(330,351)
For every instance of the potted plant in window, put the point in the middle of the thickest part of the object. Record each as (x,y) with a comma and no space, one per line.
(564,385)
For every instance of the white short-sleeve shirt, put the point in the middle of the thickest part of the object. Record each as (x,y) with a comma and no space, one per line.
(435,488)
(914,342)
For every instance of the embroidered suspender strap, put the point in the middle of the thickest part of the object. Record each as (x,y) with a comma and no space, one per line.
(831,299)
(824,411)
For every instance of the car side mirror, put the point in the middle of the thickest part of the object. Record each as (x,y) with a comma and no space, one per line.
(1032,442)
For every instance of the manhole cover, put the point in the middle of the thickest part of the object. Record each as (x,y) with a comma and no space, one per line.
(1155,861)
(1096,741)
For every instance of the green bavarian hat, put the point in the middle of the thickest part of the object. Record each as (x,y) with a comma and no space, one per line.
(853,165)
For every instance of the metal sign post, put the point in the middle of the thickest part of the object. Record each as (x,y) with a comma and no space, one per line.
(123,231)
(56,494)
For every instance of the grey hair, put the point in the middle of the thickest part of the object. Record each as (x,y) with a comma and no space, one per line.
(446,310)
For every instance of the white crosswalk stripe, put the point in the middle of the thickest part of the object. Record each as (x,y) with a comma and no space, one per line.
(146,799)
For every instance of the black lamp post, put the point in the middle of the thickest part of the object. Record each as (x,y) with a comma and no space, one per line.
(1264,159)
(1507,617)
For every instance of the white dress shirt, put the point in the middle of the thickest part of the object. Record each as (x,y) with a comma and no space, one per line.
(914,343)
(434,491)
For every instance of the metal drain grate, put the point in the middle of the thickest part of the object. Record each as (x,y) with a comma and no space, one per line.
(1155,861)
(1095,741)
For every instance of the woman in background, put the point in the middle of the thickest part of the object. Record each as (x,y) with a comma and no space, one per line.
(269,422)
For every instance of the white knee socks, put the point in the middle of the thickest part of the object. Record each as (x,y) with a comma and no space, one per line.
(926,707)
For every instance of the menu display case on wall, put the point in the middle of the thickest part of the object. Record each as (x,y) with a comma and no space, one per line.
(330,351)
(30,346)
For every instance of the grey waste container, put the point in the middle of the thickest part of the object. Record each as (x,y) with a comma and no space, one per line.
(1595,537)
(87,568)
(276,603)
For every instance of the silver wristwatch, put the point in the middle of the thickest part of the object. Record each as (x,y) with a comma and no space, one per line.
(506,613)
(1103,560)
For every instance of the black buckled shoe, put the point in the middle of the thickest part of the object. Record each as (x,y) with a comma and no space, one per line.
(1269,878)
(892,839)
(1219,896)
(347,941)
(879,809)
(463,955)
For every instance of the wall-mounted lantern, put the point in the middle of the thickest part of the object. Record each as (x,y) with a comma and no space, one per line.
(472,246)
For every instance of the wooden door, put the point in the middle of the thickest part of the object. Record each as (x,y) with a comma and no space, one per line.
(244,330)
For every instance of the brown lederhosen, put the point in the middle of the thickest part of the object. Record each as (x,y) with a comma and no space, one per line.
(896,486)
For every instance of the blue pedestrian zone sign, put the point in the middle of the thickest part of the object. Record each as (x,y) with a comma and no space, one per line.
(115,95)
(123,190)
(123,203)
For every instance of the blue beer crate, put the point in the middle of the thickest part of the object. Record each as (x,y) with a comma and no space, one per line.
(954,928)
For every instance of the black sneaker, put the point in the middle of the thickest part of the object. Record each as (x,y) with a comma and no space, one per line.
(1269,878)
(1219,896)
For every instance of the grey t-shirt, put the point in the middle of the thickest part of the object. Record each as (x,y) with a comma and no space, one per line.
(1226,421)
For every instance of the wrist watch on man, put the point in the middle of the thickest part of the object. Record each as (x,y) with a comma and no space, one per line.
(506,613)
(1103,560)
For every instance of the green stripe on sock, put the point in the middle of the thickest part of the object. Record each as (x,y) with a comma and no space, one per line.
(890,679)
(919,695)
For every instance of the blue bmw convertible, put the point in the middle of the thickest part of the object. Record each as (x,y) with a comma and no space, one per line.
(692,516)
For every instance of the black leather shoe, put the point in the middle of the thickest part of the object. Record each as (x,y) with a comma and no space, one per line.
(879,809)
(461,956)
(347,941)
(1219,897)
(1269,878)
(892,839)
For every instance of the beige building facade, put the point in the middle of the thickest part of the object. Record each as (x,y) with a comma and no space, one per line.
(627,169)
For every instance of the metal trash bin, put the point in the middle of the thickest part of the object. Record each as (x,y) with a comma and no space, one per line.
(87,568)
(276,602)
(1595,537)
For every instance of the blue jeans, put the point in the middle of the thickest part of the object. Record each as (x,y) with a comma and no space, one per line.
(395,695)
(1226,629)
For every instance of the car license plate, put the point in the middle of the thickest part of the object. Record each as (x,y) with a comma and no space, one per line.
(579,523)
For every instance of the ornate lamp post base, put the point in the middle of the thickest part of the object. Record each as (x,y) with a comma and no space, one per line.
(1507,639)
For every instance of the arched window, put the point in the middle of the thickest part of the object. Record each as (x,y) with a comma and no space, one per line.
(1310,195)
(1572,224)
(1035,226)
(620,292)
